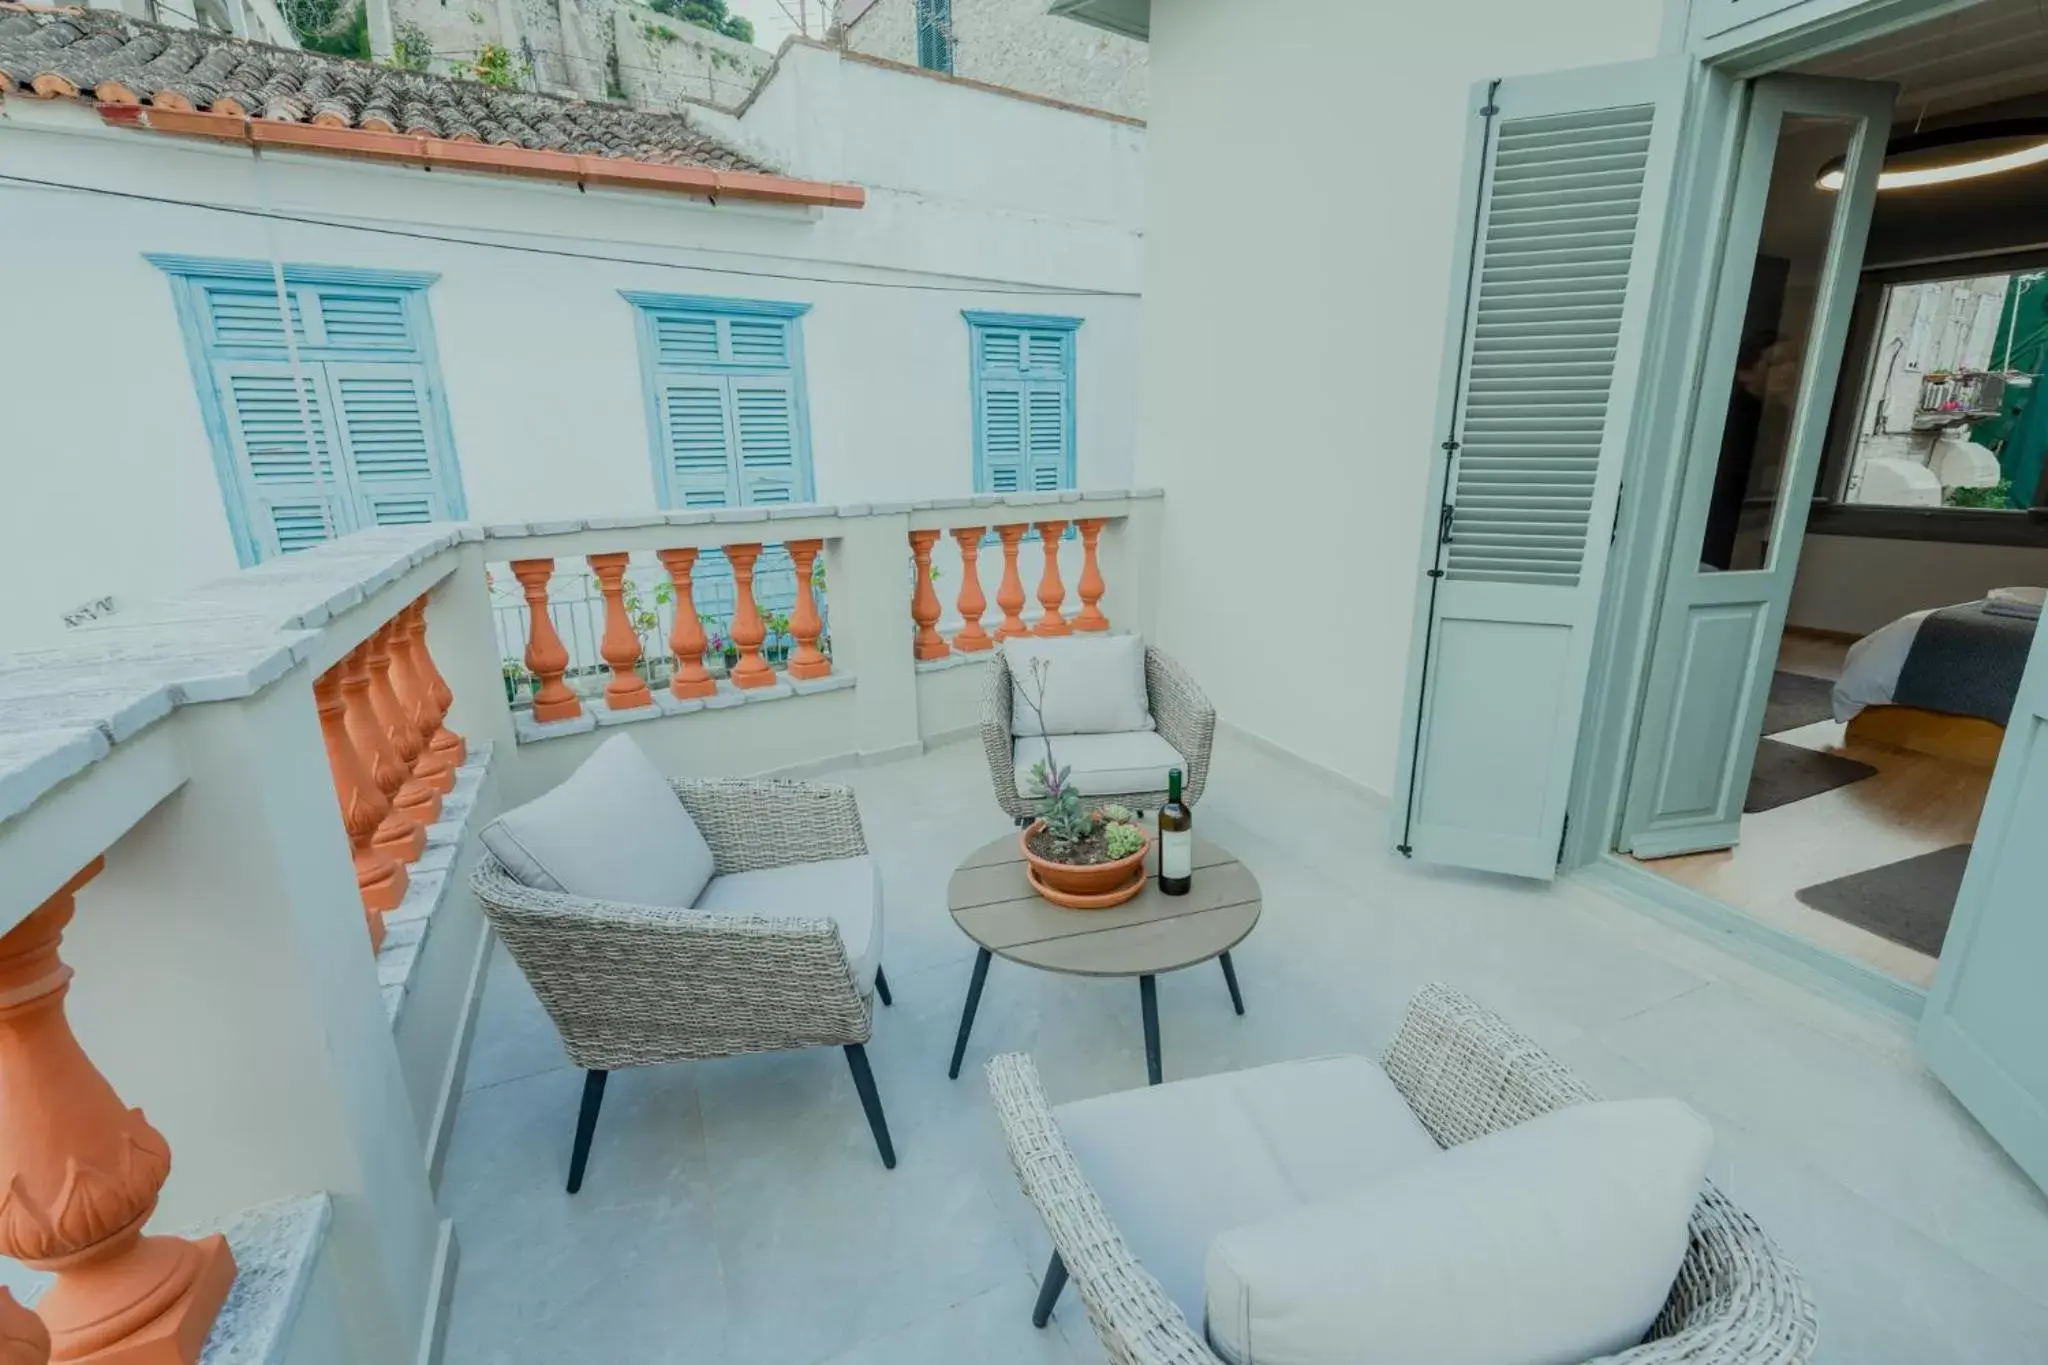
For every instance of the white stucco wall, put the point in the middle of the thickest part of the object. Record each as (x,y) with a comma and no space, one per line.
(1012,43)
(539,353)
(1297,271)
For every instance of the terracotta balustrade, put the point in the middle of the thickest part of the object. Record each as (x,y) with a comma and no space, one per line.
(417,800)
(620,647)
(546,657)
(1010,594)
(924,602)
(1051,591)
(397,835)
(1091,586)
(82,1172)
(748,630)
(691,679)
(971,638)
(416,704)
(380,879)
(443,741)
(23,1338)
(808,661)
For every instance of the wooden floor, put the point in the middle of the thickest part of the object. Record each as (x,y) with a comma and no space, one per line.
(1915,804)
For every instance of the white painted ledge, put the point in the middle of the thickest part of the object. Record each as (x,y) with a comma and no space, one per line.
(596,715)
(406,928)
(275,1248)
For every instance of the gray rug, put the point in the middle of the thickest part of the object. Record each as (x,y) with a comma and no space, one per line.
(1797,700)
(1785,773)
(1908,902)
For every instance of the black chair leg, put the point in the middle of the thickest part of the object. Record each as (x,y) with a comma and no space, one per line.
(586,1124)
(1049,1291)
(864,1081)
(974,983)
(882,988)
(1148,1004)
(1230,979)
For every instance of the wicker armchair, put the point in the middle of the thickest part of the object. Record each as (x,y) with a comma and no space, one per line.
(1184,716)
(638,985)
(1465,1073)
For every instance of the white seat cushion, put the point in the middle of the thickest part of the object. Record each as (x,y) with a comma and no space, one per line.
(614,831)
(1094,684)
(1552,1242)
(845,890)
(1177,1164)
(1102,765)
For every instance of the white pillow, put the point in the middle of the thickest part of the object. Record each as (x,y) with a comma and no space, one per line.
(1549,1243)
(613,832)
(1094,685)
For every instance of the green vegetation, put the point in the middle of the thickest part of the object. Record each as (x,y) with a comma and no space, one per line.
(1995,496)
(711,14)
(495,66)
(325,26)
(411,50)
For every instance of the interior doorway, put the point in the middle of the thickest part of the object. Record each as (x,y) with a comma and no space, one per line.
(1863,532)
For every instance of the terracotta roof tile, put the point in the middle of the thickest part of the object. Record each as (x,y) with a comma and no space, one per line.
(105,55)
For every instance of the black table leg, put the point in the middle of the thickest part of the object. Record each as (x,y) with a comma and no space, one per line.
(1230,979)
(967,1013)
(1049,1290)
(1148,1001)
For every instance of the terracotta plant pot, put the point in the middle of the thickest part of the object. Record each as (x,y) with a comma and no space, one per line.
(1096,886)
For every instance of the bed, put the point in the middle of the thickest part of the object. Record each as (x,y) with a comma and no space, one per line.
(1941,681)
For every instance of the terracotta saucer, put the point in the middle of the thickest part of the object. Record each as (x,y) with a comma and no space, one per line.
(1104,901)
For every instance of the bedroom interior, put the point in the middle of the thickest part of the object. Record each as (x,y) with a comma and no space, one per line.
(1918,580)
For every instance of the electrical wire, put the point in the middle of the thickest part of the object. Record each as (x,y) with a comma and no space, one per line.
(967,287)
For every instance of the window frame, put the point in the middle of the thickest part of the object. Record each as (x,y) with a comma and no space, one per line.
(189,277)
(649,306)
(979,323)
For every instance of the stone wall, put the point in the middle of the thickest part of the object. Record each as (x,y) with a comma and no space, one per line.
(1012,43)
(664,63)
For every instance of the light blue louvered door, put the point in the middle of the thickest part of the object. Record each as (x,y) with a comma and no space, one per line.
(1024,403)
(1568,178)
(283,456)
(390,441)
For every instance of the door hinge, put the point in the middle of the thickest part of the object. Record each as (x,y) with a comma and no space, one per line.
(1443,524)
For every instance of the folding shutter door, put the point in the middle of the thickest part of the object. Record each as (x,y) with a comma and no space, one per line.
(284,456)
(698,431)
(764,418)
(1571,174)
(389,440)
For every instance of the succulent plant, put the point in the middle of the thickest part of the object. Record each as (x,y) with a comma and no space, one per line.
(1117,815)
(1123,839)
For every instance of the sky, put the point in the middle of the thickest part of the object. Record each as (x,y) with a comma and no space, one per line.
(772,24)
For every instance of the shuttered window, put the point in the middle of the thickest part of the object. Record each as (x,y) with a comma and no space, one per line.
(1023,371)
(725,400)
(361,438)
(1559,237)
(935,35)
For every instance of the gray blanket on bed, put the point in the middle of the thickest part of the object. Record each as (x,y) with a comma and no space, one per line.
(1966,661)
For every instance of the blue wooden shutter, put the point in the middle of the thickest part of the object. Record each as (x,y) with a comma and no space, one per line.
(935,35)
(364,320)
(764,418)
(697,428)
(1046,428)
(283,454)
(388,440)
(1001,435)
(1024,423)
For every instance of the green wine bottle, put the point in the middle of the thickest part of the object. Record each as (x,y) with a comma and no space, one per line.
(1176,841)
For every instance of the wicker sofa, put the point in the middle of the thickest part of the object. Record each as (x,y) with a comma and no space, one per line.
(1465,1073)
(638,985)
(1184,716)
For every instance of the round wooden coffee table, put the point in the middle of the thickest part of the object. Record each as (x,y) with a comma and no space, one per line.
(1150,934)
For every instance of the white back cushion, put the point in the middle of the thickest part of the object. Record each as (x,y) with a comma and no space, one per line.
(613,832)
(1094,685)
(1549,1243)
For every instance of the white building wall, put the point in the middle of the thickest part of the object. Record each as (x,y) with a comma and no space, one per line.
(1012,43)
(538,353)
(1298,267)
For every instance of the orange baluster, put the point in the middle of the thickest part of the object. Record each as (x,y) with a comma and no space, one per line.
(621,645)
(415,700)
(398,835)
(686,640)
(81,1173)
(23,1338)
(546,659)
(1051,592)
(1010,593)
(445,741)
(748,630)
(971,638)
(924,603)
(380,880)
(1091,586)
(808,661)
(416,799)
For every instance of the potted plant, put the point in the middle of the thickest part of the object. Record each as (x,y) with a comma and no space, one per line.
(1080,858)
(777,647)
(516,677)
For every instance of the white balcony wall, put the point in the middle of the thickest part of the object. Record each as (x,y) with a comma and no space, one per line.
(1298,267)
(538,354)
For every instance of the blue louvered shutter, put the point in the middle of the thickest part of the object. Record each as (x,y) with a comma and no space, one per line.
(764,419)
(364,320)
(283,454)
(1024,425)
(697,428)
(390,445)
(244,314)
(1045,435)
(1002,435)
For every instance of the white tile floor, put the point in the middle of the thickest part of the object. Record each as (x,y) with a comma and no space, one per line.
(735,1210)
